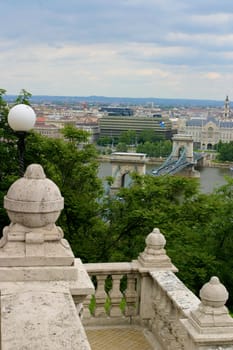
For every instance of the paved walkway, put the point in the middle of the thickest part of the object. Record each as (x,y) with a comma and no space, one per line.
(117,339)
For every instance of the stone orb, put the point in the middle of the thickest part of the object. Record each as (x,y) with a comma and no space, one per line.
(33,200)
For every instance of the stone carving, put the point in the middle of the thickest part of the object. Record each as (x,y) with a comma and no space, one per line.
(210,323)
(154,254)
(33,204)
(212,310)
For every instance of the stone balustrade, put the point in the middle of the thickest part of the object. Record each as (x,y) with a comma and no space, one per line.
(116,295)
(172,302)
(156,299)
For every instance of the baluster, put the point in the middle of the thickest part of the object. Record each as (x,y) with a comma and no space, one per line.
(100,296)
(115,296)
(86,310)
(130,296)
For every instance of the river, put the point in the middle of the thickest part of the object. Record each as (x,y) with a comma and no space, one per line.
(210,178)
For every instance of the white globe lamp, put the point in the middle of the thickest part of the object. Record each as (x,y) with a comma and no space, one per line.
(21,118)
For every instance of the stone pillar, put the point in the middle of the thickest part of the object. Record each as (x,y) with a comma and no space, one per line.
(124,163)
(180,141)
(210,326)
(153,258)
(40,280)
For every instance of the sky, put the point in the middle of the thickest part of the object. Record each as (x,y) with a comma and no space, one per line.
(121,48)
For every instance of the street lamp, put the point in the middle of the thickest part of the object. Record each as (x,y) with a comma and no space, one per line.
(21,119)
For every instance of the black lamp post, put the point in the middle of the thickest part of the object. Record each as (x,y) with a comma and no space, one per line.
(21,119)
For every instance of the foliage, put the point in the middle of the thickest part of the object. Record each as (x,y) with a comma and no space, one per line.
(121,147)
(74,135)
(23,97)
(198,227)
(225,151)
(150,202)
(148,135)
(128,137)
(104,141)
(155,149)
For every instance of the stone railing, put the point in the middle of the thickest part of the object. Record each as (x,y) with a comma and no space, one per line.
(116,296)
(171,302)
(147,292)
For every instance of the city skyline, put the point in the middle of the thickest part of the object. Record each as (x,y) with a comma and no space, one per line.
(128,48)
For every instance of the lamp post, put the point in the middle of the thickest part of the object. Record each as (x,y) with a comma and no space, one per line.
(21,119)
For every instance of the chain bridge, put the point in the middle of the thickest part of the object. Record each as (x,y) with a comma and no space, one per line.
(181,159)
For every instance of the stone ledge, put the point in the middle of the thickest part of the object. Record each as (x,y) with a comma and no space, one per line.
(41,320)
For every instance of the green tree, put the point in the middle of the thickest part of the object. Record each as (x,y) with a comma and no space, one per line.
(186,218)
(128,137)
(219,237)
(155,149)
(23,97)
(121,147)
(225,151)
(150,202)
(148,135)
(75,135)
(104,141)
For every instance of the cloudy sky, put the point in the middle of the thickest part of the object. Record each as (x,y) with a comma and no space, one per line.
(128,48)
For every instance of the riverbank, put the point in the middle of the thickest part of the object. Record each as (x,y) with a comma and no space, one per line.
(226,165)
(149,160)
(160,160)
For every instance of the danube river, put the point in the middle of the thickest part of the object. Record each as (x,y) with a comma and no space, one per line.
(210,178)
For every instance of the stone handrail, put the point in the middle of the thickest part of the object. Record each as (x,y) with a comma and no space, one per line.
(171,302)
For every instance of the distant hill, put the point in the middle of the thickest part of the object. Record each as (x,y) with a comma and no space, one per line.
(163,102)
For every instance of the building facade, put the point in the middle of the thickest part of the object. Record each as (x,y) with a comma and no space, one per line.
(208,132)
(114,126)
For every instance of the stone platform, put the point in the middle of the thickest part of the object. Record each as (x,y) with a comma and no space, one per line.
(120,338)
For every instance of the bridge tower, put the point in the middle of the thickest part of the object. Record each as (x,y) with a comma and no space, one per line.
(124,163)
(181,141)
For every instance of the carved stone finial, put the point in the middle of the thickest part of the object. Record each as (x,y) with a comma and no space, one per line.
(212,313)
(214,293)
(35,171)
(33,204)
(33,200)
(155,241)
(154,254)
(210,323)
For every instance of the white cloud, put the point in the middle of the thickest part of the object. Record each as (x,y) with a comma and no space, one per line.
(213,19)
(165,48)
(212,75)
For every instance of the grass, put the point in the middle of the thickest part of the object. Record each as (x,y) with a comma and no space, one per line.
(107,305)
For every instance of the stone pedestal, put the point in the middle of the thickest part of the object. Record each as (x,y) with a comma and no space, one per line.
(154,258)
(210,325)
(40,280)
